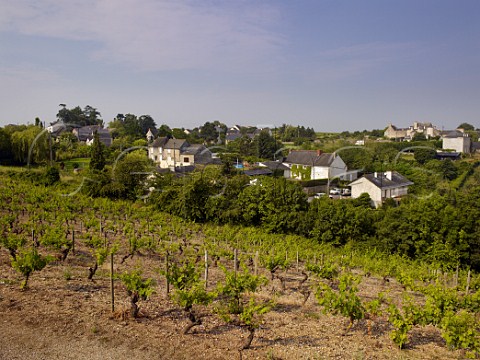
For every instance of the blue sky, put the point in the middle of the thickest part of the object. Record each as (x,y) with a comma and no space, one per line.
(331,65)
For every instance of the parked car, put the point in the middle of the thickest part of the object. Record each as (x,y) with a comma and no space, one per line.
(319,195)
(346,192)
(335,191)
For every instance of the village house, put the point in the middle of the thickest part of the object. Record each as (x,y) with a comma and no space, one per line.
(170,153)
(313,165)
(456,141)
(380,186)
(86,134)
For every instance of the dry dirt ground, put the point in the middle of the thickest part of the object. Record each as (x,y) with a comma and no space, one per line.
(63,315)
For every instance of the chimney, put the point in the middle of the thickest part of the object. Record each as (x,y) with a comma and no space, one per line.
(388,175)
(319,152)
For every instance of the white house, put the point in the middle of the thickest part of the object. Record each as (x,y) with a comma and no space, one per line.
(169,153)
(313,165)
(380,186)
(457,141)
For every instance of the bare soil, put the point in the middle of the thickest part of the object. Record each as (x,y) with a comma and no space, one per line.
(63,315)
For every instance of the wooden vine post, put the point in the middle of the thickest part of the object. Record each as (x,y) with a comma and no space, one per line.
(206,268)
(235,261)
(167,273)
(73,241)
(467,289)
(297,261)
(255,262)
(112,288)
(456,277)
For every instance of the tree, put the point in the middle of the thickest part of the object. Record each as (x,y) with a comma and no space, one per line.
(178,133)
(146,122)
(164,130)
(243,146)
(6,154)
(423,155)
(132,126)
(92,116)
(449,171)
(209,132)
(76,116)
(266,145)
(30,145)
(130,172)
(97,154)
(466,126)
(419,137)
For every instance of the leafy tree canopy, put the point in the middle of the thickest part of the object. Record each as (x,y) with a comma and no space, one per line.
(466,126)
(76,116)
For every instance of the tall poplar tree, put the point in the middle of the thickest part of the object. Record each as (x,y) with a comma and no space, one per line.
(97,154)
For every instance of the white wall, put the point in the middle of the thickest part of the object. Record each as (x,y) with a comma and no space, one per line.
(364,186)
(337,168)
(459,144)
(319,172)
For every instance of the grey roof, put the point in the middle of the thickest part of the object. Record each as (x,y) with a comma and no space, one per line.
(452,134)
(397,128)
(309,157)
(86,132)
(257,172)
(233,136)
(202,154)
(175,143)
(381,181)
(159,142)
(193,149)
(274,165)
(447,155)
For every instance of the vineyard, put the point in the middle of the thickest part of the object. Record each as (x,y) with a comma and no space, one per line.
(96,278)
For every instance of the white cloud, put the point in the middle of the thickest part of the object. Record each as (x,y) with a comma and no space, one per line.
(156,35)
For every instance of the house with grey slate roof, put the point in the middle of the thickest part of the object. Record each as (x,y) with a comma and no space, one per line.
(314,165)
(380,186)
(457,141)
(169,153)
(87,133)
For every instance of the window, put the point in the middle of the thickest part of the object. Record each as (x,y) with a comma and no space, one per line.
(186,159)
(156,157)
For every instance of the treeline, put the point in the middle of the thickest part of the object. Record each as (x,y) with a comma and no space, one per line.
(32,144)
